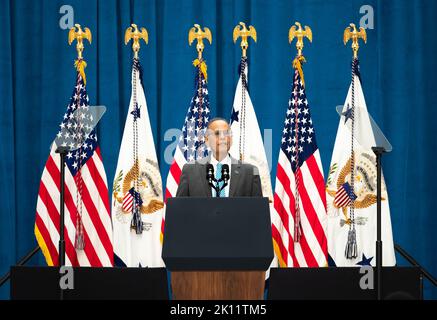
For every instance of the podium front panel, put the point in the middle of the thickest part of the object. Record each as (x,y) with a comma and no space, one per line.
(217,234)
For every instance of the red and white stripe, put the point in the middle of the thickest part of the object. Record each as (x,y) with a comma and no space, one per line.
(342,199)
(128,201)
(96,217)
(173,178)
(311,250)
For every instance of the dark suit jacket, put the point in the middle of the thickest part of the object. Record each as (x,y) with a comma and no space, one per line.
(245,180)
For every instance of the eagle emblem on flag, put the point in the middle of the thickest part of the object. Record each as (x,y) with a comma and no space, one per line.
(149,186)
(364,184)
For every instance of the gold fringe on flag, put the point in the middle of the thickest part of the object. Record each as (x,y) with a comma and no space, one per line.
(43,246)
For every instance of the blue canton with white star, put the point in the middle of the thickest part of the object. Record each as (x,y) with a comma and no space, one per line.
(137,196)
(75,127)
(301,146)
(192,139)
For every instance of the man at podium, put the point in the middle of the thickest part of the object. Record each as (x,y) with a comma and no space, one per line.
(211,176)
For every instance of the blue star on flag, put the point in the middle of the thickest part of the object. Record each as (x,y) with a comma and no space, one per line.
(347,114)
(136,112)
(234,116)
(365,261)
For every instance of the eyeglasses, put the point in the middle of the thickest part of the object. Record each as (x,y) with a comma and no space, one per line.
(220,133)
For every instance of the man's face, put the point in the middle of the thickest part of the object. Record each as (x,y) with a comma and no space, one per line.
(219,138)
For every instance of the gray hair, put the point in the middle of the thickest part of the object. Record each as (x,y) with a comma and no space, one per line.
(217,119)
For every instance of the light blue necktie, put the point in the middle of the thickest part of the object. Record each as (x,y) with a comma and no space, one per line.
(218,176)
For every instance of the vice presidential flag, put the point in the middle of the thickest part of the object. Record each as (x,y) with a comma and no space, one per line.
(299,215)
(137,201)
(351,188)
(88,230)
(247,141)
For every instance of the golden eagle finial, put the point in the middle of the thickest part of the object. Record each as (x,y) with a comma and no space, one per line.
(199,35)
(244,33)
(299,33)
(354,35)
(79,35)
(133,33)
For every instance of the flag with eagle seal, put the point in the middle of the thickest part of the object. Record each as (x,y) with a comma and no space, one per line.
(351,198)
(137,199)
(247,140)
(247,143)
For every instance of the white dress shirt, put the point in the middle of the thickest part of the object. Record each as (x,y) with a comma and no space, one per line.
(227,161)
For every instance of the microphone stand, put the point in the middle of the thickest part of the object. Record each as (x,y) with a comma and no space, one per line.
(216,186)
(62,152)
(224,178)
(378,152)
(214,183)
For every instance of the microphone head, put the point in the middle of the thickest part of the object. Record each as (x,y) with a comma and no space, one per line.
(225,172)
(209,172)
(209,168)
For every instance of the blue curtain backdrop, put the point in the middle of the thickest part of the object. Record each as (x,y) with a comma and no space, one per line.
(397,66)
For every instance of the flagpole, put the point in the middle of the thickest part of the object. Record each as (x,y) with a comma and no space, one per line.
(80,65)
(351,33)
(244,33)
(133,33)
(241,31)
(196,33)
(299,34)
(63,150)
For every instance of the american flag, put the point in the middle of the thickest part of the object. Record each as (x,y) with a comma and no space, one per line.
(128,200)
(86,192)
(299,227)
(191,144)
(344,195)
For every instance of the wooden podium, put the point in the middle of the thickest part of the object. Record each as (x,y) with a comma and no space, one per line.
(217,248)
(218,285)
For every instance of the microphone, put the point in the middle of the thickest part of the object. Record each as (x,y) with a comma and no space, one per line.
(210,173)
(225,178)
(225,173)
